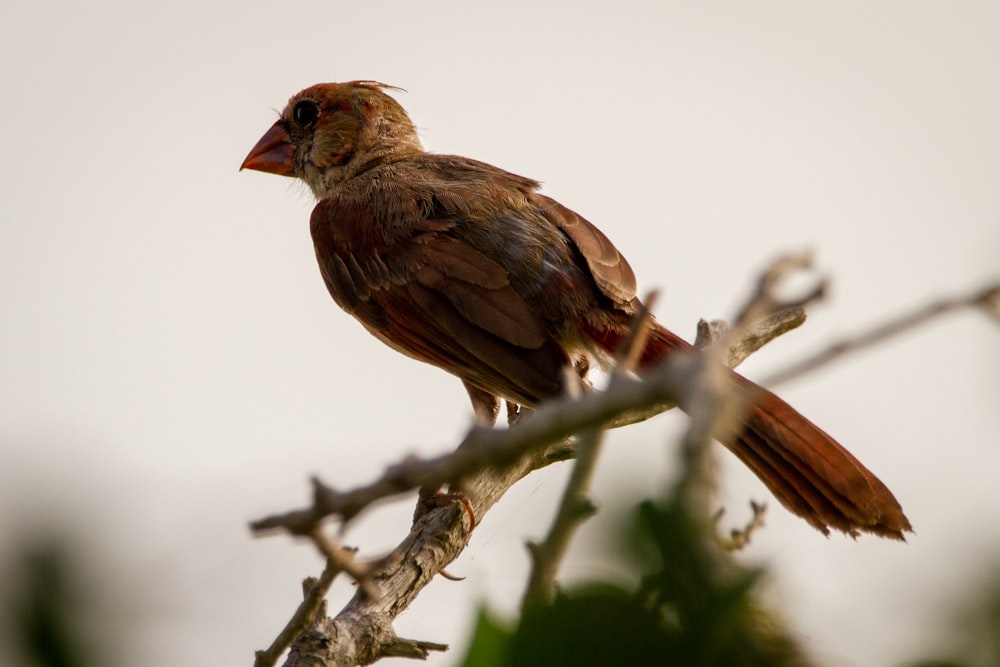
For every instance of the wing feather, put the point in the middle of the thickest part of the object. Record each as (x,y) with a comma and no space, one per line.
(611,273)
(439,300)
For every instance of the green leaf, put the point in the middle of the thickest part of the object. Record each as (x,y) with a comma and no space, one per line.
(490,642)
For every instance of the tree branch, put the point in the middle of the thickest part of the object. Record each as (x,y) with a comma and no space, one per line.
(487,463)
(484,466)
(986,298)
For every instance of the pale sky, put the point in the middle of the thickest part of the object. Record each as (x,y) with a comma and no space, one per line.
(171,366)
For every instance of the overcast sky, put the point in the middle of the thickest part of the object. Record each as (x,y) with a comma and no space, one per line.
(172,367)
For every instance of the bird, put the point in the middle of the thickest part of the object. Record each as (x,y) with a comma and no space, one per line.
(468,267)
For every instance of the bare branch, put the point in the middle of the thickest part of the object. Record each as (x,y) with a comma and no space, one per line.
(489,461)
(766,301)
(739,538)
(987,298)
(485,465)
(754,337)
(574,508)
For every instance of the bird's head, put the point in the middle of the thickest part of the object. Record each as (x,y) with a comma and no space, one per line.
(331,131)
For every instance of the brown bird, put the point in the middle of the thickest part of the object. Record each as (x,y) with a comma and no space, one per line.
(466,266)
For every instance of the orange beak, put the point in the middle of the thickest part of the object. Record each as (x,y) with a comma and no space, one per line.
(273,153)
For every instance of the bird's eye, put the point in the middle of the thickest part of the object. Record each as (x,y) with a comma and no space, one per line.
(305,113)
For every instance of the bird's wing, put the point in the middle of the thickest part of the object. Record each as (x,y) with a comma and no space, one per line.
(439,300)
(611,272)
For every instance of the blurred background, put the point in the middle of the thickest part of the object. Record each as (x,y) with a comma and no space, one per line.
(171,366)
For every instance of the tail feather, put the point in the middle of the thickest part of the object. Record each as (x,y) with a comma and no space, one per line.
(810,472)
(807,470)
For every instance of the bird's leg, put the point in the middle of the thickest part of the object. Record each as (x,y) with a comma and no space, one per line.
(487,407)
(484,404)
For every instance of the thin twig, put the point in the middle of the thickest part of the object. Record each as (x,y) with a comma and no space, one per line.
(739,538)
(627,355)
(766,300)
(575,506)
(986,298)
(312,605)
(707,403)
(344,558)
(756,334)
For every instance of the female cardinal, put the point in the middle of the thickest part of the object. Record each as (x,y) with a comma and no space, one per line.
(466,266)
